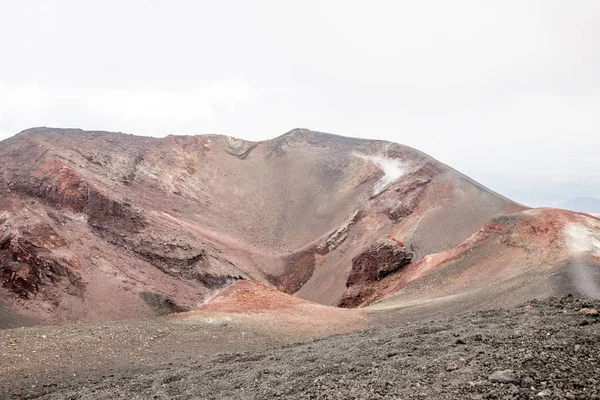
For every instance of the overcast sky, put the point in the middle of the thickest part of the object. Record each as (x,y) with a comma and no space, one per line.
(507,92)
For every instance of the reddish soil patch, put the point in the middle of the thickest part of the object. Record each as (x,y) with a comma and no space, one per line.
(250,297)
(254,303)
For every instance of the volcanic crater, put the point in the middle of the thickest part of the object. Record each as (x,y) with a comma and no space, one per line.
(141,259)
(102,226)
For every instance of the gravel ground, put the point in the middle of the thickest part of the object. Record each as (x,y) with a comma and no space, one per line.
(546,349)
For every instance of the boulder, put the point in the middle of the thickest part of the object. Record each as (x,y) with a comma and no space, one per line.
(384,257)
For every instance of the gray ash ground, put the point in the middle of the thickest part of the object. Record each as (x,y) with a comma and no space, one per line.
(547,350)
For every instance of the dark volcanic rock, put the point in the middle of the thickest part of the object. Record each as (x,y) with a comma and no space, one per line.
(161,303)
(384,257)
(410,195)
(299,267)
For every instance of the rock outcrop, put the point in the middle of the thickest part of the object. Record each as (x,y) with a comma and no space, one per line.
(384,257)
(29,269)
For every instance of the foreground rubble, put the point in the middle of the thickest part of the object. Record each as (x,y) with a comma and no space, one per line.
(543,349)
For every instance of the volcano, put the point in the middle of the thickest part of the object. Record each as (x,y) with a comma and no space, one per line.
(98,226)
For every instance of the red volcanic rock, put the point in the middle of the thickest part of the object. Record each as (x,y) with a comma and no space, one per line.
(384,257)
(27,268)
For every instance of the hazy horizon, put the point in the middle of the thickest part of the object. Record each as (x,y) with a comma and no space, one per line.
(506,92)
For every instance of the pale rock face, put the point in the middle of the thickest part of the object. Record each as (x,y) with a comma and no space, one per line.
(583,238)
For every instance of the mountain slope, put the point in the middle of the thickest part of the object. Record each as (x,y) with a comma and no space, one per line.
(98,225)
(525,255)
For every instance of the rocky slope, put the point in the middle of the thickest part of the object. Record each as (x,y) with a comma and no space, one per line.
(517,256)
(98,226)
(540,350)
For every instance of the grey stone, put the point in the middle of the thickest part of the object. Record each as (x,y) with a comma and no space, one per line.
(506,376)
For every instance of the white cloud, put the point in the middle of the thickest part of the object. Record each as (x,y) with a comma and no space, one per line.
(147,107)
(22,99)
(20,103)
(143,111)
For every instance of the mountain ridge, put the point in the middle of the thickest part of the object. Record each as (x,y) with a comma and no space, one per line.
(181,217)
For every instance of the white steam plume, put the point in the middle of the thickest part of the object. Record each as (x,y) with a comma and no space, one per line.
(393,170)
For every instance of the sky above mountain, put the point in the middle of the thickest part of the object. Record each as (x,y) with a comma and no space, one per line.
(504,91)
